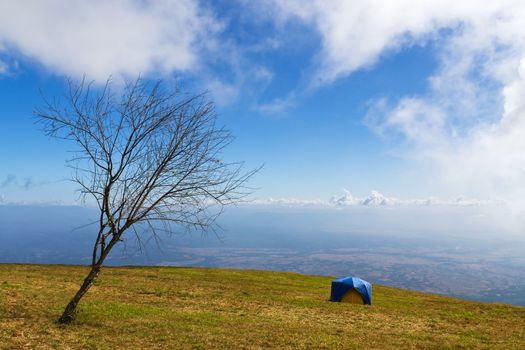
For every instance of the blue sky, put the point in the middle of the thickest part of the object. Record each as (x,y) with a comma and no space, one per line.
(420,102)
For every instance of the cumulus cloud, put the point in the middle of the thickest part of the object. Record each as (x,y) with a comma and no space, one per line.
(101,38)
(347,199)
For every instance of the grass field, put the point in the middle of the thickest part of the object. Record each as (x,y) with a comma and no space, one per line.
(197,308)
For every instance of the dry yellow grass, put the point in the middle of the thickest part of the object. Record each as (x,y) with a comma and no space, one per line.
(196,308)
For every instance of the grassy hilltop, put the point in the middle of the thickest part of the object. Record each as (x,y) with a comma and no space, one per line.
(197,308)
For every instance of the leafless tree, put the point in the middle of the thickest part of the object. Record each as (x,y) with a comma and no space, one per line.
(149,156)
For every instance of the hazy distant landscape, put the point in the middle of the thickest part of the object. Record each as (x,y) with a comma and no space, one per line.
(487,269)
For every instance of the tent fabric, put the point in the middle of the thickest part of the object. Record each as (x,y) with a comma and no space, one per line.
(341,286)
(353,297)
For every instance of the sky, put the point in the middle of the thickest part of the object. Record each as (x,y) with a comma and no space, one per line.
(401,103)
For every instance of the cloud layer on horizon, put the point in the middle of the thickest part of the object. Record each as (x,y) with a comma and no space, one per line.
(375,199)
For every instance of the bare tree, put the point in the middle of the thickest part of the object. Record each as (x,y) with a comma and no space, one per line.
(149,157)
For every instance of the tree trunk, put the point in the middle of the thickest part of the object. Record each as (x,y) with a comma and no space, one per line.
(69,312)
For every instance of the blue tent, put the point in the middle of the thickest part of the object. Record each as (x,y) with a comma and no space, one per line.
(346,285)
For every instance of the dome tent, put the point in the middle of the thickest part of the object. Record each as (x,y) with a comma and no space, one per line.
(351,289)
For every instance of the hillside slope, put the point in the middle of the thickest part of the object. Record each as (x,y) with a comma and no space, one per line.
(165,307)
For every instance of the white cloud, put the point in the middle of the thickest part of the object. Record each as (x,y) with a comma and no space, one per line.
(356,33)
(223,93)
(469,129)
(99,38)
(375,199)
(276,106)
(347,199)
(292,202)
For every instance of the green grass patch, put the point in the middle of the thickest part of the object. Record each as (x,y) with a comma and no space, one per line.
(198,308)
